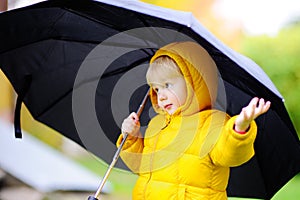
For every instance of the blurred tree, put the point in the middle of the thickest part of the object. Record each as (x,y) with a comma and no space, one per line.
(7,99)
(39,130)
(279,57)
(3,5)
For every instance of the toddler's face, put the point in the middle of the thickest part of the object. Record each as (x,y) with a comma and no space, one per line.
(171,93)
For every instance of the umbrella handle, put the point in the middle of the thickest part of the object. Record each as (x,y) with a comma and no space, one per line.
(117,154)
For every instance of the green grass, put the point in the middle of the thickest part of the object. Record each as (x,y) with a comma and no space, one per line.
(290,191)
(124,181)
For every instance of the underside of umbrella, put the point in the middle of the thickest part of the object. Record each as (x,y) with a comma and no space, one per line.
(47,44)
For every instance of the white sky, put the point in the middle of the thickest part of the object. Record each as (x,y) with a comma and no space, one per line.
(259,16)
(21,3)
(256,16)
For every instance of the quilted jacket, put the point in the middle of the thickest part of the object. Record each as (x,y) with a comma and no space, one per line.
(187,155)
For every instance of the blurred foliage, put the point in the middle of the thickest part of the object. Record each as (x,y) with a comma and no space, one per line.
(39,130)
(279,57)
(122,181)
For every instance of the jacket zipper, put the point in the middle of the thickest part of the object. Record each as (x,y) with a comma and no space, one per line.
(152,156)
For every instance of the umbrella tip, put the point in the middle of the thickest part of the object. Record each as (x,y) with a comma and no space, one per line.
(92,198)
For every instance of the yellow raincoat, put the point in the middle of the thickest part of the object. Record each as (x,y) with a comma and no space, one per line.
(187,155)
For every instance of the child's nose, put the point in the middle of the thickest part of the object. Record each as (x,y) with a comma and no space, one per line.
(161,96)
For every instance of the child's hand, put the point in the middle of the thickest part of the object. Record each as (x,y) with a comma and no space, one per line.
(255,108)
(131,125)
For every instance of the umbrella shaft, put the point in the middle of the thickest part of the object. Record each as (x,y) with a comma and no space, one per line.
(117,154)
(111,166)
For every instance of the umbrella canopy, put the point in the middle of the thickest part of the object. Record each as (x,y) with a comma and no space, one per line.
(80,67)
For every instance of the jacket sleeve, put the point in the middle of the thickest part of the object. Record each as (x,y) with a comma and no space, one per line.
(132,144)
(131,152)
(232,148)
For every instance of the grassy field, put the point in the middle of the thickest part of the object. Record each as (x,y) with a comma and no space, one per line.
(123,182)
(291,191)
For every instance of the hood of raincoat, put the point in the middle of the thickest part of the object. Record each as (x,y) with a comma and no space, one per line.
(199,71)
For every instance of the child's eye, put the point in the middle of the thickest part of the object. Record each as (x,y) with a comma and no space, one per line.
(167,85)
(155,89)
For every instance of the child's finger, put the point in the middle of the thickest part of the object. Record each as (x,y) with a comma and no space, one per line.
(265,106)
(260,104)
(262,107)
(254,101)
(134,117)
(250,109)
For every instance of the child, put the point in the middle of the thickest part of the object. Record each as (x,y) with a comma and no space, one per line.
(188,146)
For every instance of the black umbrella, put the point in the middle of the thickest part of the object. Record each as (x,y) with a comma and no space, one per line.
(79,67)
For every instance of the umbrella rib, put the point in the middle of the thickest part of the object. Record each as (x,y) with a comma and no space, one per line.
(138,15)
(124,69)
(93,19)
(53,103)
(146,24)
(116,27)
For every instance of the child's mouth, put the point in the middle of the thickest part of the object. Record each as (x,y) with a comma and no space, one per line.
(168,106)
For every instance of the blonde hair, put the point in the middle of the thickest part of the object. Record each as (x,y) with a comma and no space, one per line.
(161,68)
